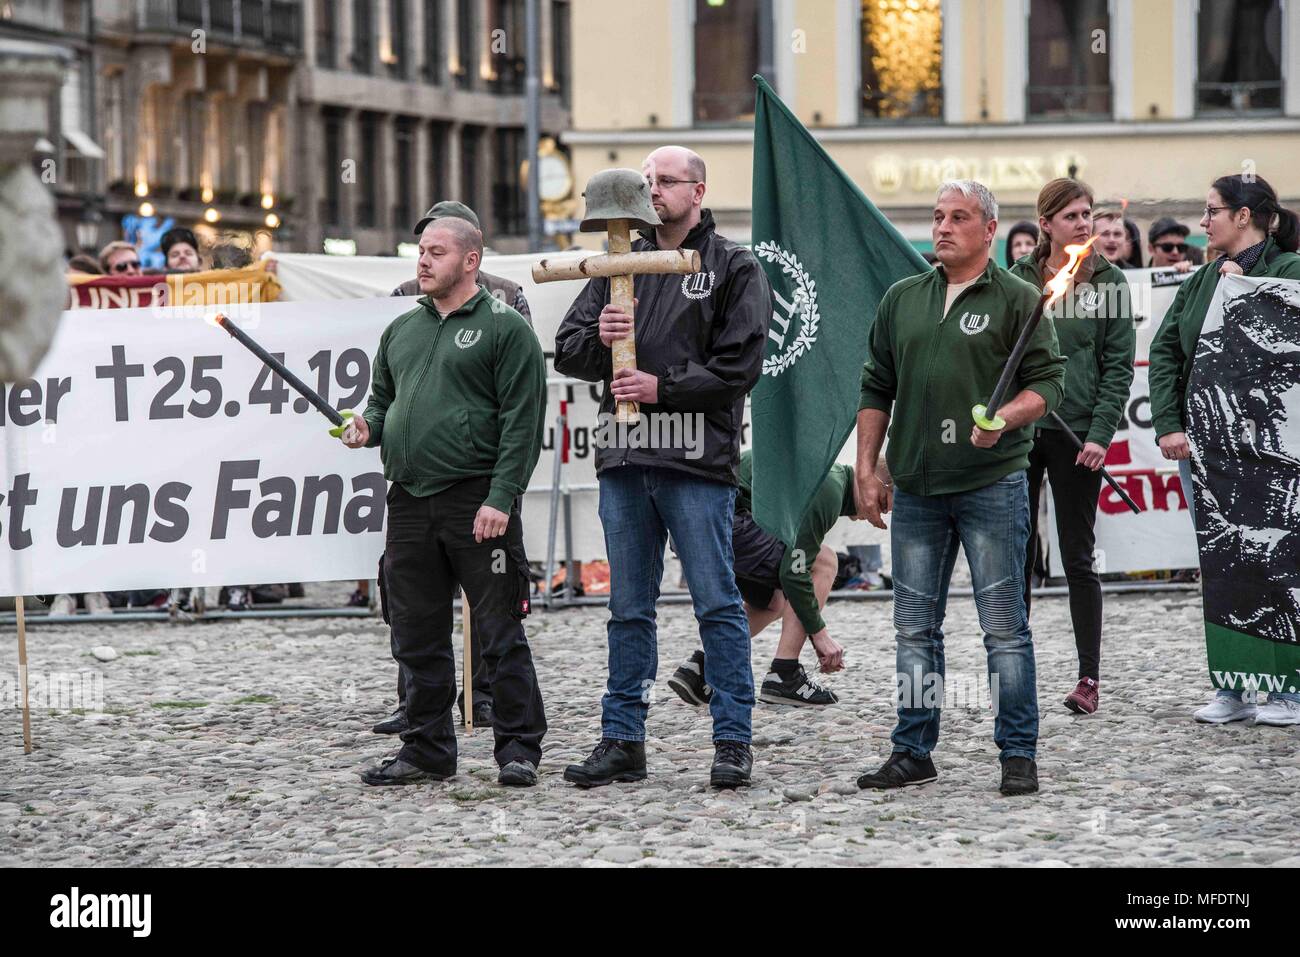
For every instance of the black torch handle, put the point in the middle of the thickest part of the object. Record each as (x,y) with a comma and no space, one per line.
(279,368)
(1110,479)
(1013,361)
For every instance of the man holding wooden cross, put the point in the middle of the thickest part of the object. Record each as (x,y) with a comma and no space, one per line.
(457,401)
(667,458)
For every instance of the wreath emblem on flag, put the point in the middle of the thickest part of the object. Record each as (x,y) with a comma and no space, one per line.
(795,343)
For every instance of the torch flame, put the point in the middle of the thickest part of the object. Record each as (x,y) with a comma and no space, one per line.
(1059,283)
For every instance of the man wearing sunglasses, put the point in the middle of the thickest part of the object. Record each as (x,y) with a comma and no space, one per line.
(119,258)
(1167,243)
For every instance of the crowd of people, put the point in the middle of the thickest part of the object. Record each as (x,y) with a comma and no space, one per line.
(457,408)
(454,501)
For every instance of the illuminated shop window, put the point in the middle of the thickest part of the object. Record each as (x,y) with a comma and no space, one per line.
(902,60)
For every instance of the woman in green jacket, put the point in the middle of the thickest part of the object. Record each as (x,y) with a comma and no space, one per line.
(1256,236)
(1094,330)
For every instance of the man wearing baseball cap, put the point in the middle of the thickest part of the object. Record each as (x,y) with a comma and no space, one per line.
(508,292)
(1167,243)
(181,248)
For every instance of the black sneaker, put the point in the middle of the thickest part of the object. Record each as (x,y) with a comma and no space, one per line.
(688,681)
(732,763)
(900,771)
(519,774)
(395,724)
(1019,776)
(611,761)
(798,690)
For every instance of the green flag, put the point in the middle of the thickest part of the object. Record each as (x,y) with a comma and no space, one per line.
(829,255)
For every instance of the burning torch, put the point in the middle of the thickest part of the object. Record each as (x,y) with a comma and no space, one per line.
(337,418)
(986,416)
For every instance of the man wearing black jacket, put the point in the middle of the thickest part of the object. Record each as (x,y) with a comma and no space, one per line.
(699,347)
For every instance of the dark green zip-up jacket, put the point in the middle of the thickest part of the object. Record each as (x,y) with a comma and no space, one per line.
(459,396)
(1174,344)
(930,369)
(1094,331)
(834,497)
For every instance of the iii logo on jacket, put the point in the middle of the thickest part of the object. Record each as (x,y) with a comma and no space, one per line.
(698,285)
(973,323)
(467,337)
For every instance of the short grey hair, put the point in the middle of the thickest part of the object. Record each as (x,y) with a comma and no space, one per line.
(972,190)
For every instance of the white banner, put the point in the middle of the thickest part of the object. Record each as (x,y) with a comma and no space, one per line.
(157,452)
(151,450)
(1161,535)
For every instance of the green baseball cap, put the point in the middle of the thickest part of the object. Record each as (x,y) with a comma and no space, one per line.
(448,207)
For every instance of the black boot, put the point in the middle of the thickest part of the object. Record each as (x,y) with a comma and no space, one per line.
(1019,776)
(395,771)
(611,761)
(393,725)
(732,763)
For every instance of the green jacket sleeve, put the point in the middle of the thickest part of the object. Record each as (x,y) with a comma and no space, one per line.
(1165,371)
(879,379)
(381,391)
(1115,368)
(520,380)
(1042,369)
(797,583)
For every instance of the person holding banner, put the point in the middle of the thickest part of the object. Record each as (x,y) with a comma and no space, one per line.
(939,342)
(1256,236)
(457,404)
(119,258)
(1095,334)
(699,350)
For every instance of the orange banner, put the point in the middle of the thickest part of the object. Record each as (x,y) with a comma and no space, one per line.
(215,287)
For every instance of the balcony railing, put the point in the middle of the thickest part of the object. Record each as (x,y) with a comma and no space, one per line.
(272,24)
(1239,99)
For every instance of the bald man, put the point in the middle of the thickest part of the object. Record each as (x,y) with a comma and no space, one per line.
(457,401)
(699,345)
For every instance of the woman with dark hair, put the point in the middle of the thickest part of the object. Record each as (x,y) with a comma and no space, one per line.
(1094,331)
(1021,241)
(1255,236)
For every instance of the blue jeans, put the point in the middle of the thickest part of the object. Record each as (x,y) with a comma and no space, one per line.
(639,508)
(992,525)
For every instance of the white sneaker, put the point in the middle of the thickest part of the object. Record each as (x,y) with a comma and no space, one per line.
(97,603)
(1225,708)
(63,605)
(1279,712)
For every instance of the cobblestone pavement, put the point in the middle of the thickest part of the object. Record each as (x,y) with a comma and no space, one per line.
(240,743)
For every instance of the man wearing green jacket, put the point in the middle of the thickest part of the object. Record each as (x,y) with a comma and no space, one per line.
(457,401)
(1094,330)
(786,583)
(936,348)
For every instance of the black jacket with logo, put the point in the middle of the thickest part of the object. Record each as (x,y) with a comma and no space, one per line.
(703,335)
